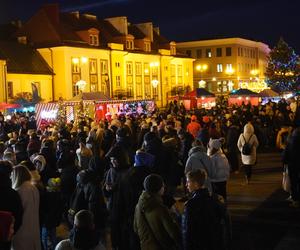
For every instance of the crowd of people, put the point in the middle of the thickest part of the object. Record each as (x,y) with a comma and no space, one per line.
(119,178)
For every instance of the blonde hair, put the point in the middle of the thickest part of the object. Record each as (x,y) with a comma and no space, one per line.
(19,175)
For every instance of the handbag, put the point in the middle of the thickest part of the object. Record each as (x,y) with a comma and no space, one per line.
(286,182)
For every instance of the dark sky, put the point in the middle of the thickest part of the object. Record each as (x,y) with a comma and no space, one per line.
(261,20)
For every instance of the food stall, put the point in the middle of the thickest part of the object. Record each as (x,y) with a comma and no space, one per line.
(240,96)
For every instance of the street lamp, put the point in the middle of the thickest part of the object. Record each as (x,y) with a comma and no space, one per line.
(81,85)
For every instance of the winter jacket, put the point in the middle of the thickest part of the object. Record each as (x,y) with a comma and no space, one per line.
(232,138)
(221,167)
(250,137)
(154,224)
(28,236)
(291,153)
(201,220)
(198,159)
(67,245)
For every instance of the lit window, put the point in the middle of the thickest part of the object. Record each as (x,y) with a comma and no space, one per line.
(129,68)
(129,44)
(208,53)
(219,67)
(147,47)
(10,90)
(94,40)
(229,67)
(118,81)
(138,68)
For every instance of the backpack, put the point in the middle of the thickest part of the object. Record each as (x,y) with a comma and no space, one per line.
(247,147)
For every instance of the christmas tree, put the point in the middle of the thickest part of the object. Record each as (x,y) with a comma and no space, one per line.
(61,115)
(283,71)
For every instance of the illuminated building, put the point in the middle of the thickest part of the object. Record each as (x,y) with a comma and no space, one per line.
(230,63)
(120,59)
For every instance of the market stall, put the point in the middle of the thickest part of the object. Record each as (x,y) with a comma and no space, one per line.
(269,95)
(202,98)
(240,96)
(95,106)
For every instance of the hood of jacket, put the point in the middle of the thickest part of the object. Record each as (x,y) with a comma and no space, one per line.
(248,129)
(197,149)
(148,202)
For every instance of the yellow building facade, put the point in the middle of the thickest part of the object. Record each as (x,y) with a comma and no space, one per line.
(222,65)
(112,56)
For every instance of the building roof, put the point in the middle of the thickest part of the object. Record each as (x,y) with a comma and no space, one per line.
(268,93)
(48,28)
(90,96)
(22,58)
(243,92)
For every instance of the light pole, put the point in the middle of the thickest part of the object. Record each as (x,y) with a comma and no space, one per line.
(201,68)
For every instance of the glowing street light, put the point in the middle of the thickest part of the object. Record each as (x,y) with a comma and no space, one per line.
(154,83)
(81,84)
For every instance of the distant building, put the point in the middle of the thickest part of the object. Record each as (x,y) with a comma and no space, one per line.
(222,65)
(120,59)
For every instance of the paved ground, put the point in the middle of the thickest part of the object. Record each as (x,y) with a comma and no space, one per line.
(260,213)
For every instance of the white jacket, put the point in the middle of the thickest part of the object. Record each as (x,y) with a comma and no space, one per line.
(221,167)
(244,137)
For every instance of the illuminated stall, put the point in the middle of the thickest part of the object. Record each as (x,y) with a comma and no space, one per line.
(201,98)
(243,96)
(269,95)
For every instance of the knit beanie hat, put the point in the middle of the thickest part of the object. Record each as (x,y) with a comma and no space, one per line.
(153,183)
(215,143)
(40,162)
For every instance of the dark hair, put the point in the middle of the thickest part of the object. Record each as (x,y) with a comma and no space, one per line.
(198,175)
(84,219)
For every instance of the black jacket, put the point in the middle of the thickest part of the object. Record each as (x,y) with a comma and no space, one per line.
(201,222)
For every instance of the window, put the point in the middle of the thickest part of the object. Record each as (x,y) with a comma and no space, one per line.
(129,68)
(93,75)
(229,67)
(219,52)
(147,47)
(173,74)
(94,41)
(228,51)
(173,50)
(105,88)
(10,90)
(208,52)
(76,75)
(199,53)
(138,68)
(129,44)
(242,51)
(239,52)
(118,81)
(179,74)
(147,87)
(104,69)
(219,67)
(189,52)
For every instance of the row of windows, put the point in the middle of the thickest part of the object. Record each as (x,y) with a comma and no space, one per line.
(200,53)
(247,67)
(245,52)
(220,67)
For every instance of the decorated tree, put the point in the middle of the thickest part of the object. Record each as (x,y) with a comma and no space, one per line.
(61,115)
(283,70)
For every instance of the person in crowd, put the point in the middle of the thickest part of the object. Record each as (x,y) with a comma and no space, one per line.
(10,200)
(84,154)
(92,199)
(131,187)
(51,209)
(153,222)
(28,235)
(221,167)
(186,140)
(6,229)
(198,159)
(83,235)
(291,158)
(119,167)
(203,216)
(247,144)
(232,137)
(194,127)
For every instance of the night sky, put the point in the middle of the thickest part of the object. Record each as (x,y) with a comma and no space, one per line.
(261,20)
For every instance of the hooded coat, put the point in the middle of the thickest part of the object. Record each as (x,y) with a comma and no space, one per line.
(198,159)
(154,224)
(248,136)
